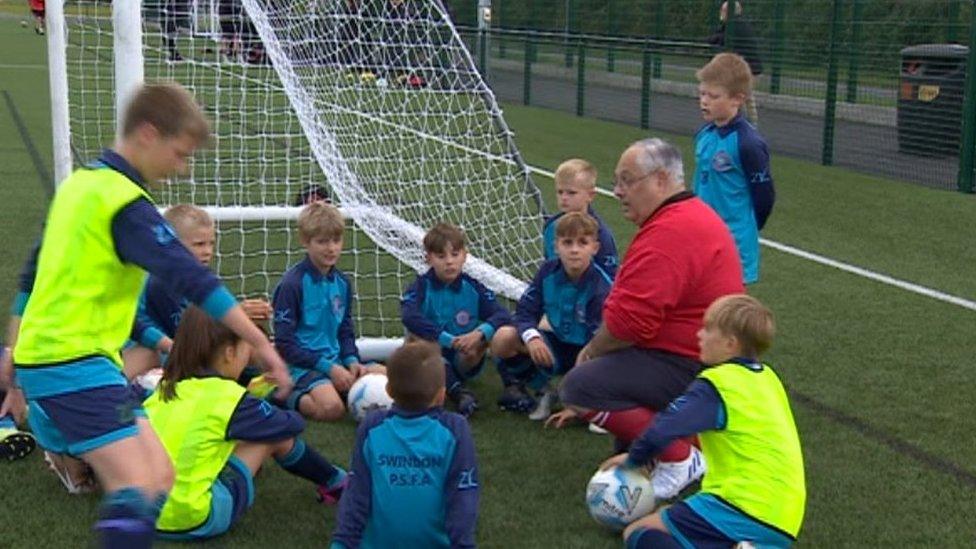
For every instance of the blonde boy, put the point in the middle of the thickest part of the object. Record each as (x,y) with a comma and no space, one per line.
(569,291)
(451,308)
(160,309)
(575,190)
(313,326)
(732,173)
(755,488)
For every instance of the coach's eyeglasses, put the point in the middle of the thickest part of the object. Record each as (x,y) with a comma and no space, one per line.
(627,183)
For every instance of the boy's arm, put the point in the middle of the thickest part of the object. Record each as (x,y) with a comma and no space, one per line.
(594,310)
(142,237)
(258,421)
(493,315)
(462,489)
(355,504)
(529,309)
(755,165)
(287,303)
(607,254)
(699,409)
(348,352)
(145,330)
(25,285)
(549,238)
(413,318)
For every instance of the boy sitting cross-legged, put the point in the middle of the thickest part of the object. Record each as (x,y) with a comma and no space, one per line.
(575,190)
(313,324)
(414,476)
(755,489)
(570,292)
(451,308)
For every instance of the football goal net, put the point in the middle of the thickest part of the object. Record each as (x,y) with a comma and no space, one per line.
(376,104)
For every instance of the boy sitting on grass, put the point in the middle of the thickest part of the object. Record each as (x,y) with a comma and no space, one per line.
(414,475)
(453,309)
(570,292)
(755,489)
(313,324)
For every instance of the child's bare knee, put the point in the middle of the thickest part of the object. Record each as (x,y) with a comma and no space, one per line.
(505,342)
(165,476)
(328,410)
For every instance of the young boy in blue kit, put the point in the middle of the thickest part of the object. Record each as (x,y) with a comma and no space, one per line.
(313,326)
(414,476)
(160,309)
(451,308)
(575,190)
(569,291)
(755,488)
(731,158)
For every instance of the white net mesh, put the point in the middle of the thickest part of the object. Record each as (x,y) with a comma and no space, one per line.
(378,102)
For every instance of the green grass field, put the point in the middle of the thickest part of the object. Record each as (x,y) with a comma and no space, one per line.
(880,377)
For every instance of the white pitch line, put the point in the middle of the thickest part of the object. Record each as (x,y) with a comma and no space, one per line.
(22,66)
(839,265)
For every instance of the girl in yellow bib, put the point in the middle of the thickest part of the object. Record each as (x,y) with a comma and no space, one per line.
(754,490)
(218,436)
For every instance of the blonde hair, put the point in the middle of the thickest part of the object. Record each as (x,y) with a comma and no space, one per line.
(729,72)
(415,374)
(186,216)
(442,234)
(168,107)
(576,171)
(744,318)
(319,219)
(574,224)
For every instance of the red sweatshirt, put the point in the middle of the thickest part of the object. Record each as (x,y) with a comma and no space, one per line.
(681,260)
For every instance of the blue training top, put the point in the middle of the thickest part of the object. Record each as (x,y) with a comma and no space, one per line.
(438,312)
(413,483)
(574,309)
(606,256)
(732,176)
(313,323)
(159,313)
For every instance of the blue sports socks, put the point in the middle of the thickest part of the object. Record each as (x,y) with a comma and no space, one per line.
(126,520)
(305,462)
(644,538)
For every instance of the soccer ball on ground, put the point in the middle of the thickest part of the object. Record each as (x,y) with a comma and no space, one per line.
(618,496)
(368,394)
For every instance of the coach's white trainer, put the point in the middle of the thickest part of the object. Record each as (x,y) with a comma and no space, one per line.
(670,478)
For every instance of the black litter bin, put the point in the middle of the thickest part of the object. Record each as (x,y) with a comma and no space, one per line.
(930,98)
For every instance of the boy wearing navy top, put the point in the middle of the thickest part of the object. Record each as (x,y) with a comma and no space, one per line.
(451,308)
(313,324)
(731,158)
(570,292)
(575,191)
(160,309)
(414,476)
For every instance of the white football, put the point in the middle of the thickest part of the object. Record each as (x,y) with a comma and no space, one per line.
(618,496)
(368,394)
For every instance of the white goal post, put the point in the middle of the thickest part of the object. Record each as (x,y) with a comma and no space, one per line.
(375,102)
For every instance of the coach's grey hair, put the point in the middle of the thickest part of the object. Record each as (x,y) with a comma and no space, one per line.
(659,155)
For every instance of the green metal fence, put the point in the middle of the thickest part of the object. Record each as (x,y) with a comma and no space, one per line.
(873,85)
